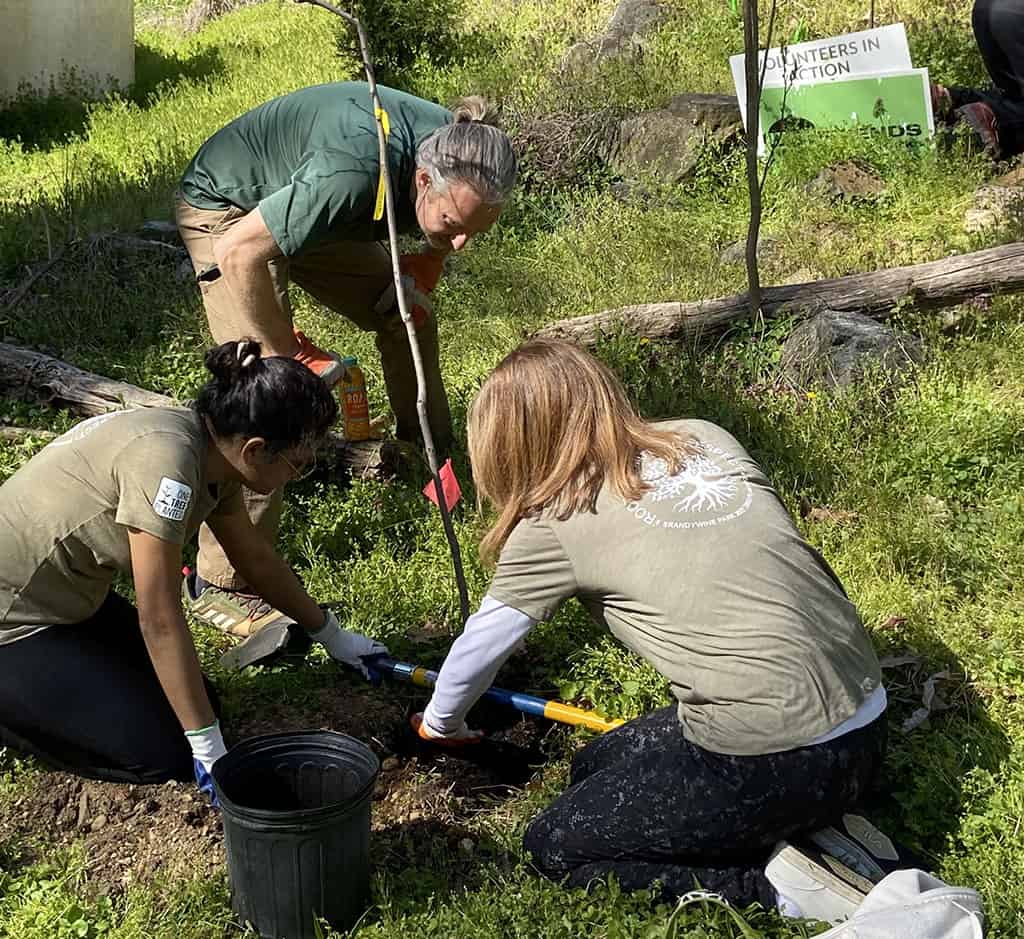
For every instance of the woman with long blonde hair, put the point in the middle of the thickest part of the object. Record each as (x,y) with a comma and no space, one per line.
(671,536)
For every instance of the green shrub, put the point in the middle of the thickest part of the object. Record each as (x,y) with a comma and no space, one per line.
(403,33)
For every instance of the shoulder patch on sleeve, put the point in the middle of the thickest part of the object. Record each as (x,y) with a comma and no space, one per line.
(172,499)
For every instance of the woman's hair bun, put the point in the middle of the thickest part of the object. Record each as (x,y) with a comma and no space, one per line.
(474,109)
(276,398)
(230,360)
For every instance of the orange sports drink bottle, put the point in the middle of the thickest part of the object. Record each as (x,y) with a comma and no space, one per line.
(355,406)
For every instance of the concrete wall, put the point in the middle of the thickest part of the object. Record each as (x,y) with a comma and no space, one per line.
(41,39)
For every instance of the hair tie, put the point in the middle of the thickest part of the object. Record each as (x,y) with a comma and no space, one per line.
(240,352)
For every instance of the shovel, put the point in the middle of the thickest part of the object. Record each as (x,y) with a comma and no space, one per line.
(525,703)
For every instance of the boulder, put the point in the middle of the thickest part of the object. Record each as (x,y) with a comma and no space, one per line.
(631,21)
(834,349)
(669,141)
(736,253)
(847,180)
(995,207)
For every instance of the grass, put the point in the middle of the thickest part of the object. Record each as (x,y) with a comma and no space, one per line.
(932,471)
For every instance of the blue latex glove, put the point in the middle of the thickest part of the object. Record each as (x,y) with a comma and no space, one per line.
(205,782)
(374,674)
(207,747)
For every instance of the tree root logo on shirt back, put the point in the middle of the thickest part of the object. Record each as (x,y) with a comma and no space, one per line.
(709,484)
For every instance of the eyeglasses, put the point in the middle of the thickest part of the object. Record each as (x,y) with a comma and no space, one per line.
(297,474)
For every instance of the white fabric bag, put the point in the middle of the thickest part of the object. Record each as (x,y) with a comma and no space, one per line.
(910,904)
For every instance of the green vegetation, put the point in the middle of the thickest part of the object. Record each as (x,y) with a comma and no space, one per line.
(933,472)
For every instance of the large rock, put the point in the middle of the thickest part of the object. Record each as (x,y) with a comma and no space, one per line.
(834,349)
(630,23)
(768,250)
(848,180)
(997,207)
(668,142)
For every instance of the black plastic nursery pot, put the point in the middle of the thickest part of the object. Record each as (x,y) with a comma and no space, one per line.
(296,811)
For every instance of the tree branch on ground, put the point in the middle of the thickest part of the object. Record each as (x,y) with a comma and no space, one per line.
(28,374)
(877,294)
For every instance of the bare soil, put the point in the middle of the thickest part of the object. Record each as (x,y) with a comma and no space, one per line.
(423,799)
(131,833)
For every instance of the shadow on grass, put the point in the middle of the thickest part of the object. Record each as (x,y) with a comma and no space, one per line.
(42,120)
(16,856)
(125,313)
(921,793)
(430,860)
(671,380)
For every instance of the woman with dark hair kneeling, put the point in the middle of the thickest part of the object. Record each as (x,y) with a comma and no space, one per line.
(90,684)
(671,536)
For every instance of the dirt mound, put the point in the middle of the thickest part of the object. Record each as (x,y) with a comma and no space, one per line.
(131,833)
(423,797)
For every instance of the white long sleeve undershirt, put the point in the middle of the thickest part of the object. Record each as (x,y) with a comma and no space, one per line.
(490,636)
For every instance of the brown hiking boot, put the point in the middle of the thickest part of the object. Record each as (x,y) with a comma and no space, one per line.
(231,611)
(981,119)
(942,103)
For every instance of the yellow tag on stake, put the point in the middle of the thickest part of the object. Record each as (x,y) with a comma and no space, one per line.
(378,209)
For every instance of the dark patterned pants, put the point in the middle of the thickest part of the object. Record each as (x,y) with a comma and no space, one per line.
(647,805)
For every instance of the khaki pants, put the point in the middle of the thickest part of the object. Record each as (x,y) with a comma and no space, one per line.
(348,277)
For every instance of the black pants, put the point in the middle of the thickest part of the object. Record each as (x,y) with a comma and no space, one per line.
(85,698)
(999,31)
(647,805)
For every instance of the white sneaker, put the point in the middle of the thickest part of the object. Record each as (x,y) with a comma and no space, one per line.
(860,846)
(814,886)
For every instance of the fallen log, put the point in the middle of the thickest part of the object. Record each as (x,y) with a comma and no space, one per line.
(934,284)
(28,373)
(13,297)
(21,434)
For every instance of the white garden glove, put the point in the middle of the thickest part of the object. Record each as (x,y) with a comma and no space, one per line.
(345,647)
(418,302)
(207,747)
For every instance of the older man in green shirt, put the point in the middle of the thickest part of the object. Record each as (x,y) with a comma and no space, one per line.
(289,192)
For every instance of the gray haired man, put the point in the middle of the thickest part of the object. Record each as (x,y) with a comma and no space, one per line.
(290,192)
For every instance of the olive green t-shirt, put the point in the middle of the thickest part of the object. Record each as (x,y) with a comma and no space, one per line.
(311,161)
(707,578)
(65,515)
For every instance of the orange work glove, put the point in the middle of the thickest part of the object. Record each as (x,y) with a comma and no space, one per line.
(460,738)
(420,274)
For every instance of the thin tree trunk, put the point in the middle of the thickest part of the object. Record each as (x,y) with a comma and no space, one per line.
(752,70)
(410,326)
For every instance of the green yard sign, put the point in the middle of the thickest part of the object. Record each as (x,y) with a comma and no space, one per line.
(895,104)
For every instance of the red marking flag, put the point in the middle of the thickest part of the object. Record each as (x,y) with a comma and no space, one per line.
(449,486)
